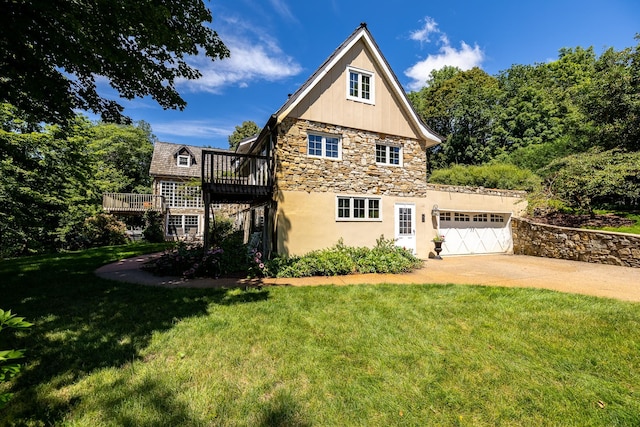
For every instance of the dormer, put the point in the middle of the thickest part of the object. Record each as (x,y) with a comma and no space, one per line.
(184,157)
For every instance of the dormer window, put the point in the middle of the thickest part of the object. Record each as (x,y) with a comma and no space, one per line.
(184,160)
(360,85)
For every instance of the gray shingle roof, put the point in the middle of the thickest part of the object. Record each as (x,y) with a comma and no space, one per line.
(164,160)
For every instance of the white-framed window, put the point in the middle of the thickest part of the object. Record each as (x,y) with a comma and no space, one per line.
(326,146)
(360,85)
(179,225)
(350,208)
(181,195)
(445,216)
(388,155)
(184,160)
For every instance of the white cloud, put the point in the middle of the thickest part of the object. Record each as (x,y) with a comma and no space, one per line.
(191,128)
(254,57)
(283,10)
(422,35)
(465,58)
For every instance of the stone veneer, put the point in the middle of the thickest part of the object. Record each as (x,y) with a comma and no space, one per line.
(476,190)
(575,244)
(357,172)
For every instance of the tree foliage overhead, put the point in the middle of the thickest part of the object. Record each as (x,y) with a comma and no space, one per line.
(245,130)
(52,53)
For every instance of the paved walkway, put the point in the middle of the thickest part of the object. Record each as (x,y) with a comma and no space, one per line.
(492,270)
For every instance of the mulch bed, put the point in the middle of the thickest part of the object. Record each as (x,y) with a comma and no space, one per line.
(583,221)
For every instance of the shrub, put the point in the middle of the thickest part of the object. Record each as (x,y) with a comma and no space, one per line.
(497,175)
(190,260)
(8,368)
(385,257)
(97,230)
(153,232)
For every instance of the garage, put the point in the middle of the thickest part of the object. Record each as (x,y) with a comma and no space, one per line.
(470,233)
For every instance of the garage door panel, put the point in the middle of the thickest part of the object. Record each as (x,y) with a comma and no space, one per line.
(476,234)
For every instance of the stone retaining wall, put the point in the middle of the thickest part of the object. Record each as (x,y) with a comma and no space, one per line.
(476,190)
(595,246)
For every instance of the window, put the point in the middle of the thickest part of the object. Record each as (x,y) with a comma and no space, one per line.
(457,216)
(480,218)
(181,195)
(445,216)
(360,85)
(388,155)
(184,160)
(179,225)
(358,209)
(497,218)
(324,146)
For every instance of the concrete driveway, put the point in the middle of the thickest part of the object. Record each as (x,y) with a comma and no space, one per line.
(491,270)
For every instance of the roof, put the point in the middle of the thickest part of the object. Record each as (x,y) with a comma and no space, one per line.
(163,162)
(361,33)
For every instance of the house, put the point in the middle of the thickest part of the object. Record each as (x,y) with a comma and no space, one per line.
(345,158)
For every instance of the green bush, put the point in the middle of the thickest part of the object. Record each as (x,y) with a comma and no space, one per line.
(596,179)
(8,367)
(385,257)
(153,232)
(497,175)
(190,260)
(97,230)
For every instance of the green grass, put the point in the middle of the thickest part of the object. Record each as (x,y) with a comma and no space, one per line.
(633,229)
(108,354)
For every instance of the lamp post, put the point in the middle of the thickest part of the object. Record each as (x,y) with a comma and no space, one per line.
(437,241)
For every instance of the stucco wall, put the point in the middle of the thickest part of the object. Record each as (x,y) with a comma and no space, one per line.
(476,199)
(575,244)
(307,221)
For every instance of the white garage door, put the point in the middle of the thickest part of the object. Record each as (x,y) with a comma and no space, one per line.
(475,233)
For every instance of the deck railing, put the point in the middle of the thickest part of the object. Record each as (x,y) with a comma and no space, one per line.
(129,202)
(228,176)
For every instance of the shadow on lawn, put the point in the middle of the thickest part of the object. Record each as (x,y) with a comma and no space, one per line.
(83,323)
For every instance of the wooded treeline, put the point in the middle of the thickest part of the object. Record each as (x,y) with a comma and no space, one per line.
(52,179)
(575,122)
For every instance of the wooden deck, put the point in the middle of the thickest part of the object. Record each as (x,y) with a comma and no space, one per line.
(228,177)
(129,203)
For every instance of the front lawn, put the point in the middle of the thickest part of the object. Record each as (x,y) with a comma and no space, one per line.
(102,353)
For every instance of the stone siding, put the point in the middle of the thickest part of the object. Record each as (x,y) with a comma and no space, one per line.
(357,172)
(476,190)
(595,246)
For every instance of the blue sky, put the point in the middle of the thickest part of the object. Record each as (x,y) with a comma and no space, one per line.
(276,44)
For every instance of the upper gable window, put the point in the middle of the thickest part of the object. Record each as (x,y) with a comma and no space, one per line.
(324,146)
(184,160)
(360,85)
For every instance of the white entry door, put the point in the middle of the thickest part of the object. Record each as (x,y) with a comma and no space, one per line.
(406,226)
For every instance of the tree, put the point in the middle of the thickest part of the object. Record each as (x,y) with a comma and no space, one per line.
(53,177)
(461,106)
(42,175)
(245,130)
(52,52)
(611,100)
